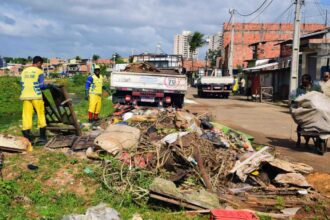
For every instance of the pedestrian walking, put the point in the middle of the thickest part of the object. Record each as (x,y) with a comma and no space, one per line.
(242,86)
(235,86)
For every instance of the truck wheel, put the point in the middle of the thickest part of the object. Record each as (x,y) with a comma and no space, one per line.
(114,99)
(201,94)
(178,101)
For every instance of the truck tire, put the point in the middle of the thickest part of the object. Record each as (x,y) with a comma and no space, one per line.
(114,99)
(178,101)
(200,93)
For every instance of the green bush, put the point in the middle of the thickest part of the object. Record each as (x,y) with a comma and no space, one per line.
(54,75)
(79,79)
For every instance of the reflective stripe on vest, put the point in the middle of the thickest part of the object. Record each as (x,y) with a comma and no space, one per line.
(96,86)
(30,85)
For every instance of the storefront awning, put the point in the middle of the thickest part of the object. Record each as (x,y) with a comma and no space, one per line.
(256,68)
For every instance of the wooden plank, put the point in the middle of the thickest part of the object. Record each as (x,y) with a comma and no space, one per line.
(82,143)
(61,141)
(202,170)
(73,114)
(176,202)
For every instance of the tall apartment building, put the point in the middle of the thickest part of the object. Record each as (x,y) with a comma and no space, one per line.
(181,45)
(2,62)
(215,41)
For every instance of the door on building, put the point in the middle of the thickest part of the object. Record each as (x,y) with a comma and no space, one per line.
(311,65)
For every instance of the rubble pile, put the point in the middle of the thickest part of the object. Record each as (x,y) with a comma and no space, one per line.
(180,158)
(141,68)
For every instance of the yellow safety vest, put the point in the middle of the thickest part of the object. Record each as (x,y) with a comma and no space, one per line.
(96,86)
(30,85)
(235,87)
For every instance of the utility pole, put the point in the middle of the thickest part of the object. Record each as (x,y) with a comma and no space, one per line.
(231,46)
(326,18)
(295,48)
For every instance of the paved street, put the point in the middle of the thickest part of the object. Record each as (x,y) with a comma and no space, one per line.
(269,124)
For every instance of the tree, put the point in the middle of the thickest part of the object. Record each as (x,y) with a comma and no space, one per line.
(103,70)
(95,57)
(195,41)
(20,60)
(9,59)
(78,58)
(117,58)
(212,55)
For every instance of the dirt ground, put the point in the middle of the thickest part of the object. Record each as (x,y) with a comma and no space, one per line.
(269,124)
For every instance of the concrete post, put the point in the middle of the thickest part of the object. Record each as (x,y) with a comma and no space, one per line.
(231,48)
(295,48)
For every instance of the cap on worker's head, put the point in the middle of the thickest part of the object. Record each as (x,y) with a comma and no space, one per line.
(97,67)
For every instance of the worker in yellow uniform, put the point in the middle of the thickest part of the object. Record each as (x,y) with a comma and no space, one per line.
(93,92)
(235,86)
(32,82)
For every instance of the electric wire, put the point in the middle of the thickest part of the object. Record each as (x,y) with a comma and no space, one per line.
(246,15)
(283,13)
(231,16)
(264,9)
(318,7)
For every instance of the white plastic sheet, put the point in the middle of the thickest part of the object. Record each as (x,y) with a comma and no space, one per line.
(312,112)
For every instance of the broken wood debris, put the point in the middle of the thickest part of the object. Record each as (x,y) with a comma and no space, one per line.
(173,147)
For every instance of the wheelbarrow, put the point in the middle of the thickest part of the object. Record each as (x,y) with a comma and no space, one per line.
(320,139)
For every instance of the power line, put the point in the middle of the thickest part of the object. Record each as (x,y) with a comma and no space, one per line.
(246,15)
(289,11)
(283,13)
(231,16)
(318,7)
(271,1)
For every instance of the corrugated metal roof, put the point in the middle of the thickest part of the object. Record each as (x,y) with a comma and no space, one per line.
(306,36)
(251,69)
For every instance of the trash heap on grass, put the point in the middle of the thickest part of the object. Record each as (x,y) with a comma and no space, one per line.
(184,159)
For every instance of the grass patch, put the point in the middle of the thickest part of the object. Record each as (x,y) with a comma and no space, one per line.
(11,106)
(60,186)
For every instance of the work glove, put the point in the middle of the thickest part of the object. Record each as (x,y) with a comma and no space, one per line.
(86,95)
(107,89)
(53,87)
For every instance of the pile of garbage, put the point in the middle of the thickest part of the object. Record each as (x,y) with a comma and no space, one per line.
(184,159)
(141,67)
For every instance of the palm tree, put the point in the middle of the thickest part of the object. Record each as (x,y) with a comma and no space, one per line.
(195,41)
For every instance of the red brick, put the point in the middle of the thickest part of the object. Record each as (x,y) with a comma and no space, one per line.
(248,33)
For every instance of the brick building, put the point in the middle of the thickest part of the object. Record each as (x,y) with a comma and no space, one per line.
(256,34)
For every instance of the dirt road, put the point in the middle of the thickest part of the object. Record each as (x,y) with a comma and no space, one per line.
(269,124)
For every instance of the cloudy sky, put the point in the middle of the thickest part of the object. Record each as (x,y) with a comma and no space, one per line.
(66,28)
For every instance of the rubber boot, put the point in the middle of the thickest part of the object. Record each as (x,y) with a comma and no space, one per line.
(96,117)
(42,139)
(90,117)
(27,134)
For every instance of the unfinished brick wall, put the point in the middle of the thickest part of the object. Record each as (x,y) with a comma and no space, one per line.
(249,33)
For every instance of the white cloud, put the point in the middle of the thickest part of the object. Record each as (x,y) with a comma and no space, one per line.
(79,27)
